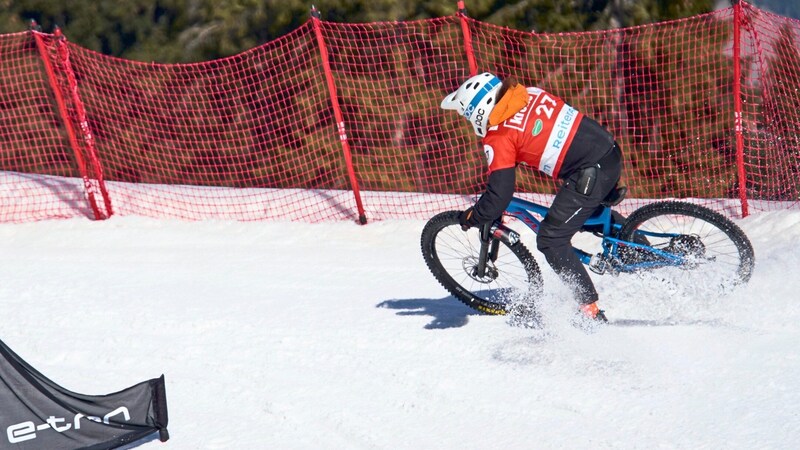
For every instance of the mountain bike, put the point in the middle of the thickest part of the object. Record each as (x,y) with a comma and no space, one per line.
(490,269)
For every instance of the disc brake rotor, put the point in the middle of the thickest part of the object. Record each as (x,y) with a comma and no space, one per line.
(470,265)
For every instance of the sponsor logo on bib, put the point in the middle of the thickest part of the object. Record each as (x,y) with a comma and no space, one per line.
(537,127)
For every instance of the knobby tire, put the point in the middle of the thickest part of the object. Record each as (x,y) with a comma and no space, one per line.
(442,237)
(669,212)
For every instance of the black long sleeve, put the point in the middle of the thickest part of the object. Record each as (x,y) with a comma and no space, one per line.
(499,190)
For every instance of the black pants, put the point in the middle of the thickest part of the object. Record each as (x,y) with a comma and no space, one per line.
(573,204)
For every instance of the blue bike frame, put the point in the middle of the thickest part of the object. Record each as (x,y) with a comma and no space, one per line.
(526,212)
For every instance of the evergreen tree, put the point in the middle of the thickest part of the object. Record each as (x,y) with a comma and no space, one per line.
(198,30)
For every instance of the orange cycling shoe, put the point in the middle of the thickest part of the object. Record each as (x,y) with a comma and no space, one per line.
(591,311)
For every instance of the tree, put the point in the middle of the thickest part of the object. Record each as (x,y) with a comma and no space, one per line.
(199,30)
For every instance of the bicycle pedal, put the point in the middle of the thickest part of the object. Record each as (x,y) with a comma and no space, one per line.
(598,264)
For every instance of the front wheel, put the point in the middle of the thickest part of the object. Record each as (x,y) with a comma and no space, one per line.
(510,277)
(707,242)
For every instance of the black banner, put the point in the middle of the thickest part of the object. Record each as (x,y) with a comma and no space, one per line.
(36,413)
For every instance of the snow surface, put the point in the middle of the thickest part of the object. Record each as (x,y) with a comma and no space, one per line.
(336,336)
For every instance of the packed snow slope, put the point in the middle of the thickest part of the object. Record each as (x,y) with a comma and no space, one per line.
(336,336)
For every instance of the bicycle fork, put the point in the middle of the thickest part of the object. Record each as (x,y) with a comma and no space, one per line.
(488,251)
(491,234)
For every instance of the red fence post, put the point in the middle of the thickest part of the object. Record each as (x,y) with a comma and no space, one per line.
(80,111)
(63,53)
(737,105)
(462,15)
(337,111)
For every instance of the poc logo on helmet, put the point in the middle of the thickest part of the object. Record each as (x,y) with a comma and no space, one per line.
(468,111)
(480,116)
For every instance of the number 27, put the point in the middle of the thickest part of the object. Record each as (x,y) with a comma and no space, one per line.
(544,108)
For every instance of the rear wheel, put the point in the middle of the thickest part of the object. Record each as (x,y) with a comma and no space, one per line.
(709,243)
(452,255)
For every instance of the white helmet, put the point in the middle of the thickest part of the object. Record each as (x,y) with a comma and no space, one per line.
(475,100)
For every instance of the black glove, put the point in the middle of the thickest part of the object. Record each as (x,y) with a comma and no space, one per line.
(467,219)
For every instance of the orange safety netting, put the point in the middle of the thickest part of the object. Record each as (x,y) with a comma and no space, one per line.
(338,121)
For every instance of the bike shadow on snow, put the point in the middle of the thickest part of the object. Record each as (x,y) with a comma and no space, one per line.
(447,312)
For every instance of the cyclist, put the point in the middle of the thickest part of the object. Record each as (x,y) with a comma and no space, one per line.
(529,126)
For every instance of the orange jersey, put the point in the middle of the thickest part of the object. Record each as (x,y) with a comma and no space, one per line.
(539,135)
